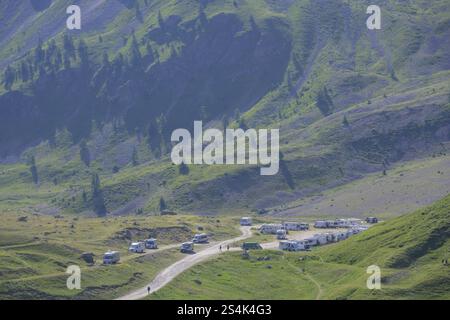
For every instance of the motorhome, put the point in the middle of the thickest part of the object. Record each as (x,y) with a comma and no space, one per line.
(321,224)
(321,238)
(137,247)
(295,226)
(187,247)
(111,257)
(312,241)
(246,221)
(294,245)
(270,228)
(281,234)
(341,236)
(151,244)
(200,238)
(347,223)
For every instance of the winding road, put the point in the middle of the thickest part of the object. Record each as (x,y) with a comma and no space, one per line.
(169,273)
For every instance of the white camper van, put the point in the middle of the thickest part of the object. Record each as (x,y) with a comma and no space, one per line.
(111,257)
(295,226)
(200,238)
(321,224)
(137,247)
(151,244)
(246,221)
(293,245)
(281,234)
(187,247)
(270,228)
(321,238)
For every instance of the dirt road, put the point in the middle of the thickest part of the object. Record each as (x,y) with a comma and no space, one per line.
(168,274)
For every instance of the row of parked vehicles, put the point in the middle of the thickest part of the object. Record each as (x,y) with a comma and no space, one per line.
(113,257)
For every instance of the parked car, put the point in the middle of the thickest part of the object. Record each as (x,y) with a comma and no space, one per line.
(200,238)
(111,257)
(187,247)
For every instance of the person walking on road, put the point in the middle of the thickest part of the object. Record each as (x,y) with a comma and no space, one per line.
(148,289)
(220,248)
(228,247)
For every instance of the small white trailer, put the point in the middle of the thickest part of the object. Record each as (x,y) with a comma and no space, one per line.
(111,257)
(137,247)
(246,221)
(321,238)
(151,244)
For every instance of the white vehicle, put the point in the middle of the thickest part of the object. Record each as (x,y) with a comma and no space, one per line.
(270,228)
(137,247)
(200,238)
(281,234)
(187,247)
(341,236)
(151,244)
(246,221)
(321,224)
(311,241)
(321,238)
(111,257)
(293,245)
(295,226)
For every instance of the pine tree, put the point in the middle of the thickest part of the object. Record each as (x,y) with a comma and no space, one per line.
(33,170)
(85,155)
(162,205)
(9,77)
(83,55)
(134,157)
(105,61)
(68,46)
(135,54)
(24,71)
(39,54)
(160,20)
(324,102)
(202,18)
(98,201)
(183,169)
(345,122)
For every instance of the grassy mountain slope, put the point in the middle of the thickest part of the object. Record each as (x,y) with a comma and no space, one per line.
(35,251)
(408,249)
(172,62)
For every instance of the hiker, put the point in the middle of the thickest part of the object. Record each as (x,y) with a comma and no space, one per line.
(228,247)
(220,248)
(148,289)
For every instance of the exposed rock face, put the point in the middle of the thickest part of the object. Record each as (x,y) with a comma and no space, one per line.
(222,67)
